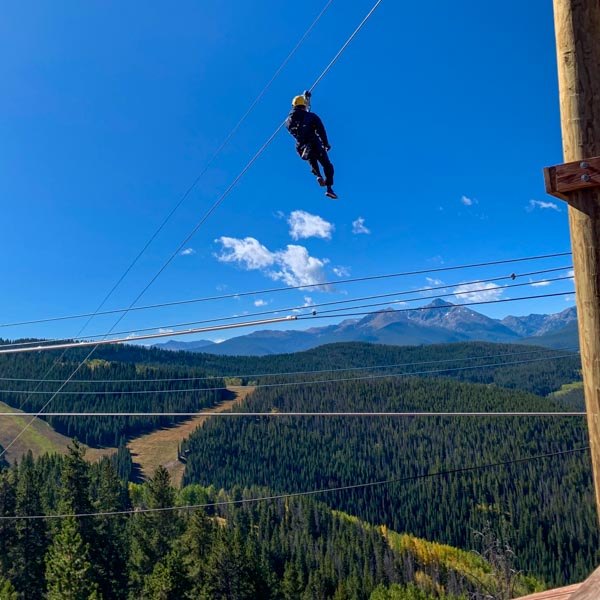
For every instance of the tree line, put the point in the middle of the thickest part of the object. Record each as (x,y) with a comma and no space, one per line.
(107,431)
(141,365)
(549,502)
(289,549)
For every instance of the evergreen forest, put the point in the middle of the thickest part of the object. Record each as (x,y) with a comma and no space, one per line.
(538,514)
(229,548)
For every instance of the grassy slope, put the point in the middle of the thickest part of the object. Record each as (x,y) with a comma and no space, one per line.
(160,447)
(150,450)
(40,438)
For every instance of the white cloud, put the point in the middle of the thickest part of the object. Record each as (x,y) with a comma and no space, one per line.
(341,271)
(187,252)
(542,283)
(533,204)
(570,273)
(468,201)
(293,266)
(569,298)
(303,225)
(260,303)
(477,292)
(249,252)
(297,267)
(167,330)
(433,281)
(359,227)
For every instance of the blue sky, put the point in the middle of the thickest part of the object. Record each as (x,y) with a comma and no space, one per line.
(441,118)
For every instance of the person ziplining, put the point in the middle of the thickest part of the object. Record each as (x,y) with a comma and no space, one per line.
(312,143)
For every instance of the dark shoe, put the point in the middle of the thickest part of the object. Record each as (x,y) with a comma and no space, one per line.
(331,194)
(321,181)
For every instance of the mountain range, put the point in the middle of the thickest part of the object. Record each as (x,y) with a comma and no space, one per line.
(435,323)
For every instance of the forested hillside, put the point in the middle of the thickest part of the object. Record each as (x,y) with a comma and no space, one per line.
(86,391)
(553,530)
(288,549)
(139,367)
(548,502)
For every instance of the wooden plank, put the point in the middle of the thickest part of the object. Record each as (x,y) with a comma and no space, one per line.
(564,593)
(572,176)
(590,589)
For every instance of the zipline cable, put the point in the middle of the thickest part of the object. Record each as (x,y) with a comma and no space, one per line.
(208,164)
(105,342)
(321,284)
(401,310)
(452,294)
(195,330)
(305,414)
(342,488)
(312,307)
(204,218)
(288,373)
(296,383)
(185,195)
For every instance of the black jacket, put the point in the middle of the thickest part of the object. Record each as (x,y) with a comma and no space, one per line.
(307,128)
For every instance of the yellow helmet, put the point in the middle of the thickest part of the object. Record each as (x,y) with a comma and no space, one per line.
(299,101)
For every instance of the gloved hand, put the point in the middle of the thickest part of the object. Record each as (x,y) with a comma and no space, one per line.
(328,147)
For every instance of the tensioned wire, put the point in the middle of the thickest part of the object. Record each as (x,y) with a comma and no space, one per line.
(342,488)
(453,293)
(306,372)
(306,414)
(204,218)
(294,383)
(320,284)
(313,307)
(151,336)
(401,310)
(195,330)
(186,194)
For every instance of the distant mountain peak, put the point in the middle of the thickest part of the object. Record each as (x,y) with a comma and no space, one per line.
(438,303)
(400,327)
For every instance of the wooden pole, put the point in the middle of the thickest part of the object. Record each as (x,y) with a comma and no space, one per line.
(577,24)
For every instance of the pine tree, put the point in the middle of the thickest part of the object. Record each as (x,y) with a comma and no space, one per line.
(7,527)
(75,490)
(31,534)
(292,585)
(167,580)
(153,533)
(122,462)
(227,573)
(316,588)
(68,567)
(197,541)
(110,556)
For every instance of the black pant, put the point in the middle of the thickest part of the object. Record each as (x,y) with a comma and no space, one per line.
(315,155)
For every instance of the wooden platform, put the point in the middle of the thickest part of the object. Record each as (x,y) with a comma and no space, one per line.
(588,590)
(564,593)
